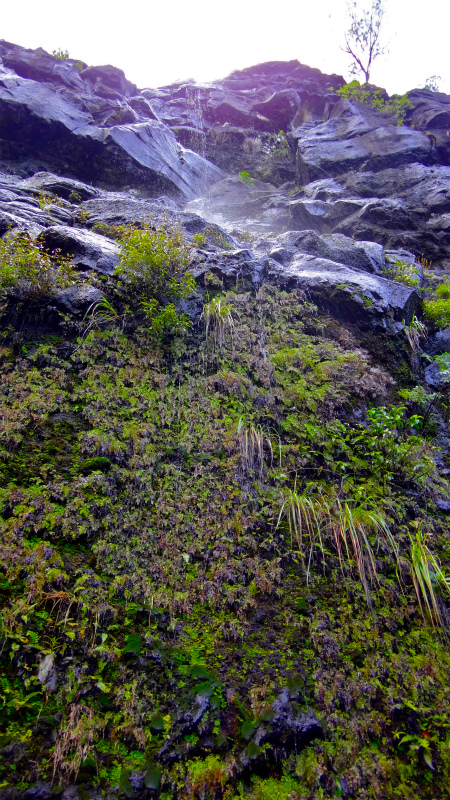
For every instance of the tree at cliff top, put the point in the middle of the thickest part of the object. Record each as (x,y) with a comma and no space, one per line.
(362,39)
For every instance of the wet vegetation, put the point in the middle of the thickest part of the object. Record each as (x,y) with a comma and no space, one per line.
(225,563)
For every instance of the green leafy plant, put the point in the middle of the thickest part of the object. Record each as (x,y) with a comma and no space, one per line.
(200,240)
(28,271)
(279,147)
(357,93)
(61,55)
(443,360)
(437,309)
(404,272)
(415,332)
(164,319)
(246,178)
(154,263)
(153,272)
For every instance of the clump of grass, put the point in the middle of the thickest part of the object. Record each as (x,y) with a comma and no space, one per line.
(415,332)
(218,320)
(314,522)
(252,440)
(429,579)
(74,740)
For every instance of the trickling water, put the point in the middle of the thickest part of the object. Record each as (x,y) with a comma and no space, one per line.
(194,105)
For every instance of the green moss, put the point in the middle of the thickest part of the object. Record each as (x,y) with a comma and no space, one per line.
(141,547)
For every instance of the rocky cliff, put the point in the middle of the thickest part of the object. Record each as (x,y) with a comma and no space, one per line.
(224,436)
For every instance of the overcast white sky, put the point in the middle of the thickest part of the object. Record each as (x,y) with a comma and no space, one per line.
(156,43)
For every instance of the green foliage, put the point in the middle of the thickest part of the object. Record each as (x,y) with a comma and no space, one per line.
(153,268)
(279,147)
(429,579)
(28,271)
(437,309)
(284,788)
(61,55)
(96,463)
(165,580)
(154,263)
(444,364)
(246,178)
(403,272)
(318,522)
(432,83)
(200,240)
(415,332)
(218,319)
(164,319)
(397,105)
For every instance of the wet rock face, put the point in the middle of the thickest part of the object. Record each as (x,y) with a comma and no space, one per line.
(86,150)
(81,124)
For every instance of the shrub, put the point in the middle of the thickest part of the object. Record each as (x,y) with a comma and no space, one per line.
(437,310)
(397,104)
(246,178)
(404,272)
(61,55)
(28,270)
(154,263)
(164,319)
(154,270)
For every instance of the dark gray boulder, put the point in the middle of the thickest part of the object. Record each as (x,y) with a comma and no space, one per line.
(439,343)
(87,250)
(370,301)
(77,299)
(437,376)
(348,142)
(62,187)
(367,256)
(279,109)
(90,131)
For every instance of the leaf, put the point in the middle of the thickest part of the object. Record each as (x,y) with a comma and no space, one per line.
(253,751)
(133,644)
(157,722)
(199,671)
(152,779)
(125,786)
(248,728)
(206,689)
(267,716)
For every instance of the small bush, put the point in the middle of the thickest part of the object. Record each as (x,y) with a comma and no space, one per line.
(437,310)
(397,104)
(28,270)
(164,319)
(61,55)
(404,272)
(154,263)
(246,178)
(154,271)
